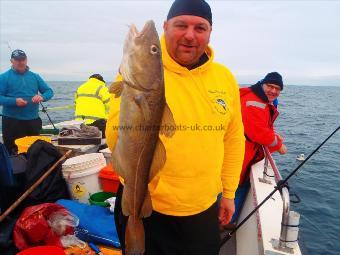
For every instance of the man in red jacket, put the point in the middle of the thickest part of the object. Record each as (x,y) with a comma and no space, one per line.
(258,114)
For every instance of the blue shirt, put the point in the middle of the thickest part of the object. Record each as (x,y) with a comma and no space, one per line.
(22,85)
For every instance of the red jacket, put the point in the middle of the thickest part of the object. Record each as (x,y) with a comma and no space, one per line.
(258,119)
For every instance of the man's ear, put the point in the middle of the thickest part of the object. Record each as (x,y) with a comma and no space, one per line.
(165,26)
(210,33)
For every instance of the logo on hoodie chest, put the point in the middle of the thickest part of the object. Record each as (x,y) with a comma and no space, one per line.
(218,100)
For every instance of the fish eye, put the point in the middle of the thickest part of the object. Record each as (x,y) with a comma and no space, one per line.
(153,49)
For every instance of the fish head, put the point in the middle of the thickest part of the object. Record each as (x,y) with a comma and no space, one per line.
(142,57)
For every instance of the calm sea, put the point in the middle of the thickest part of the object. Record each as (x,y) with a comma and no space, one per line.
(308,115)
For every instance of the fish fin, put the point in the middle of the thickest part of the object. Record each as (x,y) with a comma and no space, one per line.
(117,88)
(143,105)
(147,206)
(158,161)
(116,165)
(134,237)
(125,202)
(168,126)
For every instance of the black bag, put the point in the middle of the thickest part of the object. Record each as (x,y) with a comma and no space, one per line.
(7,246)
(40,157)
(6,169)
(12,168)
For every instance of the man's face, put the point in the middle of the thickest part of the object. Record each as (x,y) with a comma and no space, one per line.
(186,38)
(19,64)
(272,91)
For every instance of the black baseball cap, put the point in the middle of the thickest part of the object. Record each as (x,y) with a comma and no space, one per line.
(18,55)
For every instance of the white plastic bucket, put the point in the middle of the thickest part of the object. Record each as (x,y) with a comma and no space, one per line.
(107,155)
(81,174)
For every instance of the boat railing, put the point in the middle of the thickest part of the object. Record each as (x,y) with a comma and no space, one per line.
(284,195)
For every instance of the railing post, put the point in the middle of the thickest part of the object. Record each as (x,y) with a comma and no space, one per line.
(285,217)
(284,192)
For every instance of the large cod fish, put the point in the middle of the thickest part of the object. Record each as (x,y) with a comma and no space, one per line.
(139,154)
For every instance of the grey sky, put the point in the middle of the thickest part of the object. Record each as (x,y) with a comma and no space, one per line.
(69,40)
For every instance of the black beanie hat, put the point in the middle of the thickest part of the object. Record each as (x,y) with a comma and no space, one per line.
(198,8)
(97,76)
(273,78)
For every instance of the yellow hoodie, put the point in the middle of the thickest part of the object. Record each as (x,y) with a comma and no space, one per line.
(206,152)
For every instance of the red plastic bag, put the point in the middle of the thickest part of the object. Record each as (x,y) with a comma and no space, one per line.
(32,227)
(43,250)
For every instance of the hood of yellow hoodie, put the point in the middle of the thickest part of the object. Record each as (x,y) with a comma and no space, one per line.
(172,65)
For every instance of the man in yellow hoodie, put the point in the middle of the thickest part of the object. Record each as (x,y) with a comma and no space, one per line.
(92,102)
(205,155)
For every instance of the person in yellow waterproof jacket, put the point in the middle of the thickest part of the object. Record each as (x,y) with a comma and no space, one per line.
(205,157)
(92,102)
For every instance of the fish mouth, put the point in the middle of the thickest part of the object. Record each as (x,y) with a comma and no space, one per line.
(148,26)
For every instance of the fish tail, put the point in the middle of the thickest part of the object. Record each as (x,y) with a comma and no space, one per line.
(134,237)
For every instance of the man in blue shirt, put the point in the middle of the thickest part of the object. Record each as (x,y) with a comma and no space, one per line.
(21,91)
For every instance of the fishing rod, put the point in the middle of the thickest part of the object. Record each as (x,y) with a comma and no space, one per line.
(56,108)
(59,107)
(9,46)
(280,184)
(44,109)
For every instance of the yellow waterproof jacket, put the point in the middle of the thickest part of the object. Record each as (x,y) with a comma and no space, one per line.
(205,155)
(92,101)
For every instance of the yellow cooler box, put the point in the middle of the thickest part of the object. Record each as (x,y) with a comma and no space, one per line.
(25,142)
